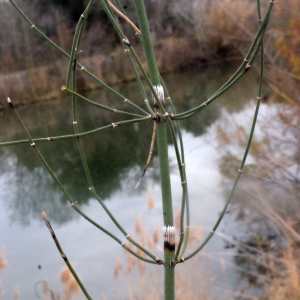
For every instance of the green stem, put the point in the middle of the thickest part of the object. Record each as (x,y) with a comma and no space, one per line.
(154,259)
(241,71)
(74,204)
(147,42)
(162,145)
(64,88)
(81,134)
(162,142)
(71,77)
(64,256)
(184,235)
(239,173)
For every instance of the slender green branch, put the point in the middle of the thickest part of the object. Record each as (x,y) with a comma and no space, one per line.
(136,106)
(33,145)
(131,240)
(154,261)
(146,101)
(177,126)
(181,168)
(138,78)
(64,256)
(145,75)
(72,74)
(245,153)
(69,136)
(111,216)
(64,88)
(76,41)
(241,71)
(211,233)
(184,235)
(134,28)
(123,15)
(112,18)
(262,58)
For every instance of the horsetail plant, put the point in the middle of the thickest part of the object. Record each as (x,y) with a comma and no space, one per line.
(166,122)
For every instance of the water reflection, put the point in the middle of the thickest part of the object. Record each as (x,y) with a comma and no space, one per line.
(110,155)
(266,202)
(116,158)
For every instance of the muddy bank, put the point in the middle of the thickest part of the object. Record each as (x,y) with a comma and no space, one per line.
(45,83)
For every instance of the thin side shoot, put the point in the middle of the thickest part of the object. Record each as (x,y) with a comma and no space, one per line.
(150,154)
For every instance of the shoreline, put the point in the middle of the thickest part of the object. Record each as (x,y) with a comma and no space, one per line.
(44,83)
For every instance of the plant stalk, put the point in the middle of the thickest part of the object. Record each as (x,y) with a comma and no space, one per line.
(162,143)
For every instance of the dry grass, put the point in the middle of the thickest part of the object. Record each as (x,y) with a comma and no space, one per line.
(269,257)
(283,263)
(3,262)
(223,28)
(71,287)
(272,264)
(287,284)
(230,25)
(3,265)
(141,281)
(267,201)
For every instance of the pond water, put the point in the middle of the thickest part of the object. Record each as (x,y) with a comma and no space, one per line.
(116,159)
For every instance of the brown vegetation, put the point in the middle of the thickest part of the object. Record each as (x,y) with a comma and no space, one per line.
(267,201)
(30,69)
(195,31)
(44,83)
(148,282)
(269,207)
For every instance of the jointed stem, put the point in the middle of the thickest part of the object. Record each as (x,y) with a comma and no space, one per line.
(72,75)
(64,88)
(64,256)
(150,154)
(82,134)
(239,173)
(74,203)
(154,259)
(185,212)
(162,145)
(122,15)
(162,141)
(241,71)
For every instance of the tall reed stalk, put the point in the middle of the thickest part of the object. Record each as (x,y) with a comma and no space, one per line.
(163,115)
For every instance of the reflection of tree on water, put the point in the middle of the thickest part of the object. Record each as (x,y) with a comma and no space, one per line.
(267,201)
(111,154)
(109,157)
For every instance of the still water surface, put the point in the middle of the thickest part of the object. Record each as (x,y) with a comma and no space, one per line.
(116,159)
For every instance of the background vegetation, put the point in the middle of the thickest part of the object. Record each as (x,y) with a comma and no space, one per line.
(223,31)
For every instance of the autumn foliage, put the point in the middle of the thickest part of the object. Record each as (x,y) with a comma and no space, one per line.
(287,35)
